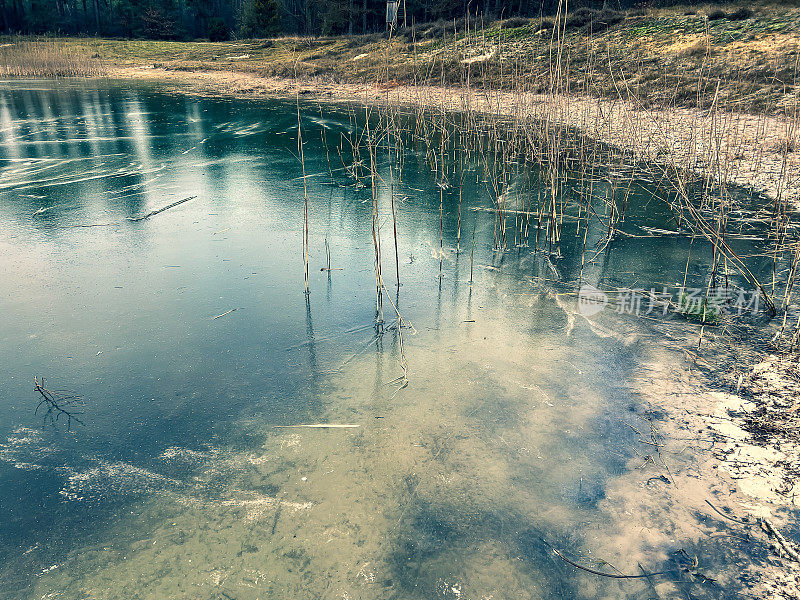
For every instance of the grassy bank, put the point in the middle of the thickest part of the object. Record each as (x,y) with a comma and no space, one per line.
(742,59)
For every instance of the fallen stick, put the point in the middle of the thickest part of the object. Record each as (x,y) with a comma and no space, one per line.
(729,517)
(319,426)
(781,540)
(160,210)
(275,518)
(611,575)
(768,527)
(225,313)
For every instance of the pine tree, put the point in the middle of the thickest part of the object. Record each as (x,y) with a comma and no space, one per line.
(261,18)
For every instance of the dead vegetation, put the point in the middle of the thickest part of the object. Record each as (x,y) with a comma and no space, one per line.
(46,58)
(747,57)
(773,386)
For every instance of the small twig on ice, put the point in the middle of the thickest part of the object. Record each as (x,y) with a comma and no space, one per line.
(729,517)
(319,426)
(160,210)
(611,575)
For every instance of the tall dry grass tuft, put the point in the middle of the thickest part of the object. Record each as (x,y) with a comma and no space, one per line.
(22,57)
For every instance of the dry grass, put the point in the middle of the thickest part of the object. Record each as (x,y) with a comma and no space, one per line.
(753,59)
(47,58)
(699,47)
(660,57)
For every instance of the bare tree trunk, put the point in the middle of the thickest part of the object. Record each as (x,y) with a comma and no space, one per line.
(72,9)
(350,17)
(3,16)
(97,15)
(364,17)
(19,13)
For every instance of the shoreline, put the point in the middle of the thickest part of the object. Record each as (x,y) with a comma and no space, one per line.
(741,480)
(758,152)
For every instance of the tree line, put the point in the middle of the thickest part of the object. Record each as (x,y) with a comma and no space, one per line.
(223,19)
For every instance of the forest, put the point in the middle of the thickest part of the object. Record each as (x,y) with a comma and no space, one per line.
(219,20)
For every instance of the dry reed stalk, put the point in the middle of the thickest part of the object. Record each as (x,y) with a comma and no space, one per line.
(376,238)
(301,154)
